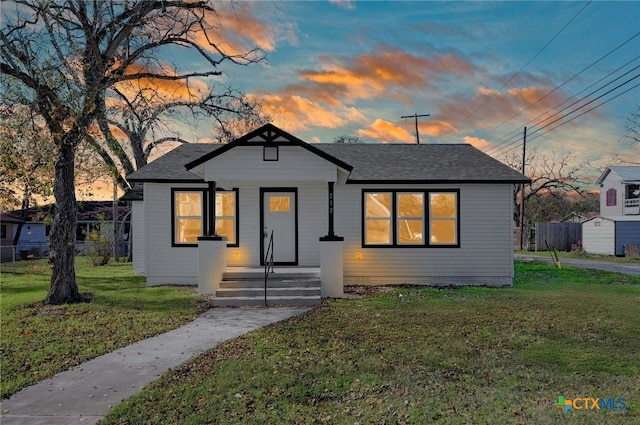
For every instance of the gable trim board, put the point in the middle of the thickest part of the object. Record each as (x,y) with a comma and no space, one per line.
(482,253)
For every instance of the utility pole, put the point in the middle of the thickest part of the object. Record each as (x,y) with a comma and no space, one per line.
(524,156)
(416,118)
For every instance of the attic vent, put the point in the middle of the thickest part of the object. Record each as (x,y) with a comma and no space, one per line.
(270,153)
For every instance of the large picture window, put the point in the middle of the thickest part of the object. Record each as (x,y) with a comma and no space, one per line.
(424,218)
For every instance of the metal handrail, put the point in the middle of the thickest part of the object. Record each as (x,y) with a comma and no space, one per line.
(268,261)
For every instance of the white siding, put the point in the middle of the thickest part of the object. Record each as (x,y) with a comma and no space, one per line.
(485,255)
(598,236)
(295,164)
(138,237)
(179,265)
(166,264)
(612,181)
(312,221)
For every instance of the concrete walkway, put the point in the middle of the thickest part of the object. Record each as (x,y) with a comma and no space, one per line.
(85,394)
(609,266)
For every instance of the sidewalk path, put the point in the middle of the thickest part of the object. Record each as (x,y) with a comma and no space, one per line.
(609,266)
(85,394)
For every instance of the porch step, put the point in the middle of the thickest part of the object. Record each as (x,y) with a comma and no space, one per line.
(280,274)
(277,300)
(272,283)
(284,287)
(294,291)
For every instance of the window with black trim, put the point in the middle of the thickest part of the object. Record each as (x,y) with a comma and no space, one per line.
(407,218)
(188,216)
(227,215)
(189,213)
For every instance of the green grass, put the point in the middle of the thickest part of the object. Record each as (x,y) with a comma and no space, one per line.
(463,356)
(581,255)
(39,341)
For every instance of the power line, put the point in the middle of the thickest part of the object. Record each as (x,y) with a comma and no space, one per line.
(534,56)
(507,138)
(581,107)
(503,145)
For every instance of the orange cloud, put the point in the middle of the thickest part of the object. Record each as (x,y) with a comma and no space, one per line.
(383,72)
(436,128)
(476,142)
(387,132)
(161,89)
(295,113)
(235,30)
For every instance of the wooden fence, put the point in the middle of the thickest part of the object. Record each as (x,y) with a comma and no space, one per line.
(561,236)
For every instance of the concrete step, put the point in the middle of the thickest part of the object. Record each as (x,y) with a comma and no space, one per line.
(276,300)
(253,274)
(271,283)
(271,292)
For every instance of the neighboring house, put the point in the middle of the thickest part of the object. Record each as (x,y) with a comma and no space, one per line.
(620,191)
(7,224)
(36,225)
(363,213)
(619,221)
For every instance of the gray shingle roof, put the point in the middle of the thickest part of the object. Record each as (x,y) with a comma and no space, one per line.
(171,166)
(426,163)
(422,163)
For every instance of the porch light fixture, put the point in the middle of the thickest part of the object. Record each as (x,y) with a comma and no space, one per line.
(237,255)
(358,256)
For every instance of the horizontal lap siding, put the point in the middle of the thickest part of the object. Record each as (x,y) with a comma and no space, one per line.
(312,221)
(245,163)
(166,264)
(138,232)
(485,237)
(598,236)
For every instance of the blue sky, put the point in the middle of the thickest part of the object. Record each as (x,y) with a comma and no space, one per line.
(478,68)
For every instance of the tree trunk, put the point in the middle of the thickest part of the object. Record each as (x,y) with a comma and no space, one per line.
(62,239)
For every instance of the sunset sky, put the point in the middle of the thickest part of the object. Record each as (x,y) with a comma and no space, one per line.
(482,71)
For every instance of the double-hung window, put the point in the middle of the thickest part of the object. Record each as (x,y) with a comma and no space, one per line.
(226,215)
(421,218)
(188,216)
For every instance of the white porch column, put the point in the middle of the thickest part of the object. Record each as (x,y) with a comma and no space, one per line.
(331,267)
(212,262)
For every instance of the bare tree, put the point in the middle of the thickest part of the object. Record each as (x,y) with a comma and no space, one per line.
(347,139)
(552,176)
(633,125)
(63,58)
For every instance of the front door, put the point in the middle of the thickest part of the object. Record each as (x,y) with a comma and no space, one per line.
(279,215)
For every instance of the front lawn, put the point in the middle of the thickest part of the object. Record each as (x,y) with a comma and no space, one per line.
(416,356)
(39,341)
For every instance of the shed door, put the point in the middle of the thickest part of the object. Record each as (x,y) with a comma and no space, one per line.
(279,214)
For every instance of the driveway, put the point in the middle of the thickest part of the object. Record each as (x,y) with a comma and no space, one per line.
(609,266)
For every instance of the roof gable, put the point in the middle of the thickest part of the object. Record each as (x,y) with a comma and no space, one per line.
(268,135)
(625,173)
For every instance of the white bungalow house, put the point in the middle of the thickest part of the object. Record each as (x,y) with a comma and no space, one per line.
(359,213)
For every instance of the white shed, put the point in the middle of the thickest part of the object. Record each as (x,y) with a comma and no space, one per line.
(609,235)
